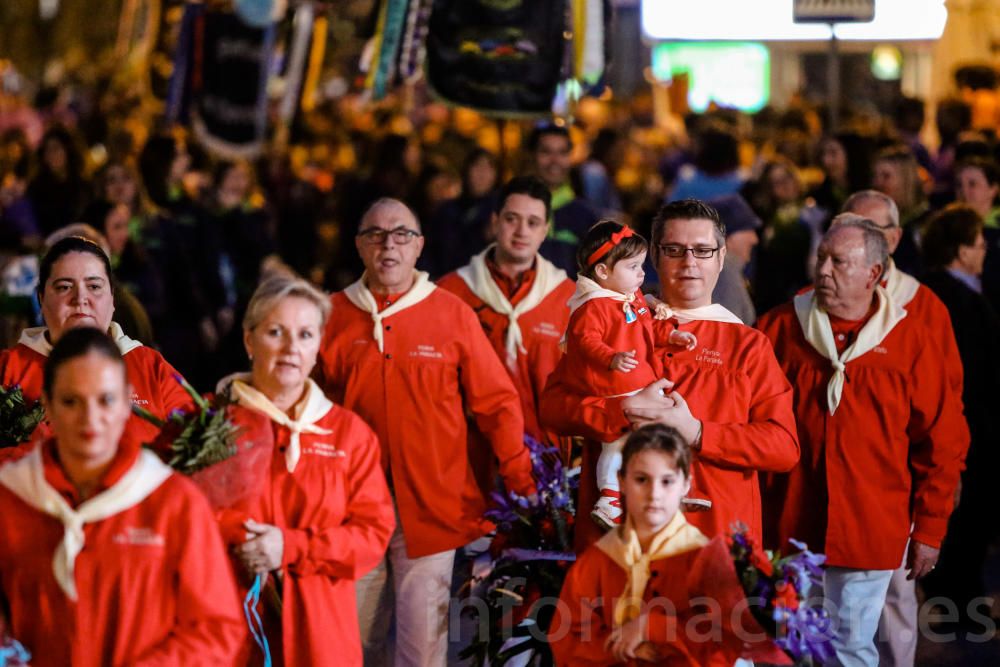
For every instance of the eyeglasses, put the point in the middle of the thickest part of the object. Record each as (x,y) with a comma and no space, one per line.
(678,251)
(399,235)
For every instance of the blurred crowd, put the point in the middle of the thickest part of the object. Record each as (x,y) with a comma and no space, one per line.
(191,235)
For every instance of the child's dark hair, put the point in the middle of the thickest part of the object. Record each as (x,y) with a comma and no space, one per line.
(658,438)
(601,234)
(78,343)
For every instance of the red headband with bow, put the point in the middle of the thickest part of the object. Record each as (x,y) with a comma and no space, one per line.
(607,246)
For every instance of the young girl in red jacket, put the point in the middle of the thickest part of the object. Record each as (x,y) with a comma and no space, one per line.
(629,598)
(609,341)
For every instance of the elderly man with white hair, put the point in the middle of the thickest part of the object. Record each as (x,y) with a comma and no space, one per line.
(898,626)
(883,442)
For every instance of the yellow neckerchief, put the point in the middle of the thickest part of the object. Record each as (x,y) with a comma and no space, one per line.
(309,410)
(622,546)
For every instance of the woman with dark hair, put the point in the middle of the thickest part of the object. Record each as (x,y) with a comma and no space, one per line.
(119,183)
(107,557)
(75,290)
(954,250)
(787,237)
(236,240)
(717,164)
(59,191)
(459,229)
(846,160)
(133,266)
(977,184)
(174,240)
(597,173)
(163,162)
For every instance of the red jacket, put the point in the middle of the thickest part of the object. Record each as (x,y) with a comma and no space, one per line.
(336,517)
(152,378)
(733,384)
(154,584)
(598,331)
(686,631)
(436,366)
(542,329)
(852,492)
(927,308)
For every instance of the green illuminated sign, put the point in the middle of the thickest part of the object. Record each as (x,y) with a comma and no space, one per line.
(731,74)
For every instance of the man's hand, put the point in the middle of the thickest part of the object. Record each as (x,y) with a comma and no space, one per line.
(920,559)
(653,397)
(670,410)
(624,361)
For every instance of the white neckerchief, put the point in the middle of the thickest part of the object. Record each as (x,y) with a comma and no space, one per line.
(817,330)
(711,313)
(35,339)
(477,276)
(359,294)
(309,410)
(26,479)
(587,290)
(902,287)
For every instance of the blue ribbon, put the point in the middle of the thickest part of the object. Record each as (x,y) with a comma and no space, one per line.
(13,653)
(253,619)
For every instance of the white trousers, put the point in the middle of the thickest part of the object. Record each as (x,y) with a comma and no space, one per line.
(897,629)
(418,598)
(608,464)
(855,599)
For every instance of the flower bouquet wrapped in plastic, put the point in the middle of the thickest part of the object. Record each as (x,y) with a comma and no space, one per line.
(18,417)
(771,621)
(526,563)
(203,444)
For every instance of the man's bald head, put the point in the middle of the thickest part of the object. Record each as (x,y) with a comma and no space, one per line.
(881,210)
(388,208)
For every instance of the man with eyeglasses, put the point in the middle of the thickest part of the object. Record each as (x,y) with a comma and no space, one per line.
(550,147)
(883,442)
(519,296)
(728,397)
(412,361)
(898,625)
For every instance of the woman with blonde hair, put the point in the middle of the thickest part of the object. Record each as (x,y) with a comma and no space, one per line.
(325,516)
(897,174)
